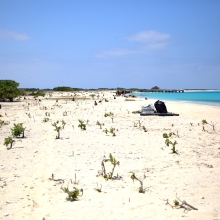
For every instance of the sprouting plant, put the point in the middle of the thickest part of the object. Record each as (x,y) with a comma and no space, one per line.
(65,113)
(46,119)
(212,124)
(26,107)
(106,130)
(59,125)
(141,188)
(176,202)
(99,124)
(135,124)
(181,204)
(168,142)
(18,130)
(74,194)
(203,124)
(47,114)
(114,162)
(110,114)
(112,131)
(98,189)
(8,141)
(92,95)
(76,182)
(139,123)
(3,123)
(176,134)
(82,125)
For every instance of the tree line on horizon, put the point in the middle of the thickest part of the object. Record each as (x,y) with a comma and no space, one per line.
(9,90)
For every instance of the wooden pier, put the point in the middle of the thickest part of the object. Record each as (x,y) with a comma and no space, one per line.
(157,90)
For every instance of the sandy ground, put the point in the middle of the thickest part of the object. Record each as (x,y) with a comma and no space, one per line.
(193,174)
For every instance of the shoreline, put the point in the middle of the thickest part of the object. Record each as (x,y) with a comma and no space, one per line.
(202,102)
(189,102)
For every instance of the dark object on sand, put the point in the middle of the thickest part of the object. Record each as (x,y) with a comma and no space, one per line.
(158,114)
(160,107)
(161,110)
(95,103)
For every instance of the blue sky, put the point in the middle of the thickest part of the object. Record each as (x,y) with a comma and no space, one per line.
(96,44)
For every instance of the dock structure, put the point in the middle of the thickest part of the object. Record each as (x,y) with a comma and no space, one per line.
(161,90)
(154,90)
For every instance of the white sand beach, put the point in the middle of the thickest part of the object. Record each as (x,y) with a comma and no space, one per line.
(193,174)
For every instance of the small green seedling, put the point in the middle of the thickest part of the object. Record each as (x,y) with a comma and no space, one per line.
(114,162)
(98,189)
(65,113)
(105,131)
(18,130)
(99,124)
(112,131)
(141,188)
(2,123)
(212,124)
(47,114)
(110,114)
(103,173)
(46,120)
(59,125)
(8,141)
(72,195)
(168,142)
(176,202)
(92,95)
(82,125)
(135,124)
(204,122)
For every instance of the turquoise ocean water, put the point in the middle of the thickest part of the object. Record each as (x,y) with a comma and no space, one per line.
(202,97)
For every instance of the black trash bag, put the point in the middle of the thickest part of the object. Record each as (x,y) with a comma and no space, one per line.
(160,107)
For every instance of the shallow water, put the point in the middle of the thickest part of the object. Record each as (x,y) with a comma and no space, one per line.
(203,97)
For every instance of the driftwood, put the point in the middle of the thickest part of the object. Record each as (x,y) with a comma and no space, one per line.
(136,112)
(181,204)
(56,180)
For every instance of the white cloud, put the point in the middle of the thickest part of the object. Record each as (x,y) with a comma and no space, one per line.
(115,52)
(4,33)
(149,37)
(146,41)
